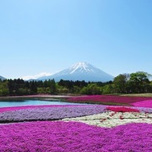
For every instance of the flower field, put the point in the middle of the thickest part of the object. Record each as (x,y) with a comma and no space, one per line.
(145,103)
(109,99)
(49,113)
(75,128)
(75,137)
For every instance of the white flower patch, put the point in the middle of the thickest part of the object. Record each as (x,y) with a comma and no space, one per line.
(112,119)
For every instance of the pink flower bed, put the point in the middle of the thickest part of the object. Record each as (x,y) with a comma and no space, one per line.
(122,109)
(146,103)
(74,137)
(108,99)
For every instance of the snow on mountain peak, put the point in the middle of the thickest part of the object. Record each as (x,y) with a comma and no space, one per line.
(80,71)
(81,66)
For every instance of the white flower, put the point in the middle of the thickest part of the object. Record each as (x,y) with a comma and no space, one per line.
(112,119)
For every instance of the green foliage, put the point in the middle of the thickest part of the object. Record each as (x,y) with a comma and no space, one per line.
(43,90)
(134,83)
(62,90)
(91,89)
(108,89)
(52,86)
(76,89)
(120,83)
(4,88)
(138,82)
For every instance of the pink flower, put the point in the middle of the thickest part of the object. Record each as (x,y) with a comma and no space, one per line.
(122,109)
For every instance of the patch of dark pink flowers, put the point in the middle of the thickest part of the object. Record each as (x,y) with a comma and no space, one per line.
(108,99)
(122,109)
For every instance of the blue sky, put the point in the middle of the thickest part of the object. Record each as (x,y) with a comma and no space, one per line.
(50,35)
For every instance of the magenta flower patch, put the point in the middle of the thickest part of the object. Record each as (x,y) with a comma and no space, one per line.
(122,109)
(108,99)
(146,103)
(74,137)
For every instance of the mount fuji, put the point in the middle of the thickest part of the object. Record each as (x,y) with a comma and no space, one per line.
(80,71)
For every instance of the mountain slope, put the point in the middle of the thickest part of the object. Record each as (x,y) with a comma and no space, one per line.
(2,78)
(80,71)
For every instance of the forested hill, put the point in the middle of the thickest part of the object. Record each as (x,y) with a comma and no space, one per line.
(134,83)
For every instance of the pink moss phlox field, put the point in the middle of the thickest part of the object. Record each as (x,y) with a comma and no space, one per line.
(4,109)
(108,99)
(146,103)
(122,109)
(74,137)
(50,113)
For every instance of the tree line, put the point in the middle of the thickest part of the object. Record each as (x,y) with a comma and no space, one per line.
(124,83)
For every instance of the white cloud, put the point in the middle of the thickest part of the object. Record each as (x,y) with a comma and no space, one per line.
(36,76)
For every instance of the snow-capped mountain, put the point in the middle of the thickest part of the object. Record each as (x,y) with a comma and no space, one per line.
(2,78)
(80,71)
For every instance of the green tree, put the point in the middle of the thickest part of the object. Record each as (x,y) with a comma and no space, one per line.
(52,86)
(41,90)
(91,89)
(138,82)
(120,83)
(4,90)
(108,89)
